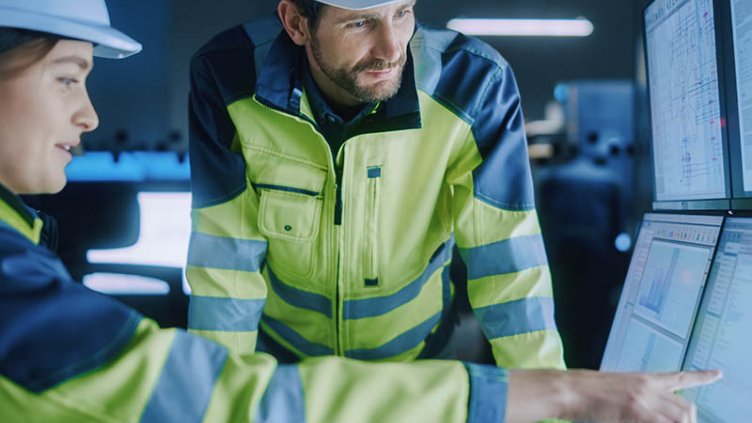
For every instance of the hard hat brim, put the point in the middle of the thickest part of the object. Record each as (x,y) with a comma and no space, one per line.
(357,4)
(108,42)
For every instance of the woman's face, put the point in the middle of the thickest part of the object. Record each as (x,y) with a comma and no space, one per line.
(44,109)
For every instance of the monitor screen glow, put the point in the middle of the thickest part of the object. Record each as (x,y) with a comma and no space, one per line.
(721,337)
(661,293)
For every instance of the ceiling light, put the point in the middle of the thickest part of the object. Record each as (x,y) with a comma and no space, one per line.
(579,27)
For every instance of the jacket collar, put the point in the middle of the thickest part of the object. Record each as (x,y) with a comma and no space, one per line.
(17,215)
(280,86)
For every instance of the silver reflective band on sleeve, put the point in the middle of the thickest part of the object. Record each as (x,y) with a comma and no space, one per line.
(186,384)
(226,253)
(283,401)
(508,256)
(224,314)
(526,315)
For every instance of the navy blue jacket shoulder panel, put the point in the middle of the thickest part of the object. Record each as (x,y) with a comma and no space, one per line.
(51,328)
(455,69)
(222,71)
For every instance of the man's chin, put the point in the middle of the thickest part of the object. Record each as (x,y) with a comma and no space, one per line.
(379,91)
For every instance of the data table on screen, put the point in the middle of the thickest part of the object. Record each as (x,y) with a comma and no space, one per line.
(721,338)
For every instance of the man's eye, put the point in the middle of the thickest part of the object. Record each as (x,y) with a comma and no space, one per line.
(358,24)
(68,82)
(402,13)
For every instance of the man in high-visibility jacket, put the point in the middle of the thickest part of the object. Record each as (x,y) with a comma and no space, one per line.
(338,154)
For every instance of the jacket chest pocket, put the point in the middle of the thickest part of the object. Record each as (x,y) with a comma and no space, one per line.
(289,216)
(290,207)
(291,222)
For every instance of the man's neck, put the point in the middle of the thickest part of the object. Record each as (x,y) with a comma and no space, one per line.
(341,102)
(346,110)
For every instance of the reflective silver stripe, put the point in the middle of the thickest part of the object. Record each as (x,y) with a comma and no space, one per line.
(298,297)
(517,317)
(226,253)
(224,314)
(400,344)
(507,256)
(295,339)
(283,401)
(185,386)
(378,306)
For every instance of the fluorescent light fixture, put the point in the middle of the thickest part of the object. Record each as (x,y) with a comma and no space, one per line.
(579,27)
(118,284)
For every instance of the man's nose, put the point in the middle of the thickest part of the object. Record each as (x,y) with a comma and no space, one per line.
(387,46)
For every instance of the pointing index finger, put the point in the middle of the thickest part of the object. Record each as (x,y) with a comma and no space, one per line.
(689,379)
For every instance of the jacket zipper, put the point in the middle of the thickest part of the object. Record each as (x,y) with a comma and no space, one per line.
(370,250)
(337,220)
(338,230)
(338,186)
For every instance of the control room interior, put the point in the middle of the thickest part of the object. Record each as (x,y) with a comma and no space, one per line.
(124,217)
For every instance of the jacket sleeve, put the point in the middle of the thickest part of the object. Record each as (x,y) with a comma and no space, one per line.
(226,251)
(498,234)
(68,354)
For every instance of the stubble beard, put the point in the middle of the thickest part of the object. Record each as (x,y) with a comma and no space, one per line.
(347,79)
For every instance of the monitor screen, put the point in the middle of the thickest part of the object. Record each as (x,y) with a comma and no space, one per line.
(721,337)
(685,103)
(741,26)
(661,293)
(736,33)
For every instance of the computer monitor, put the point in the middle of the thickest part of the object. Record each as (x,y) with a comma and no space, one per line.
(736,35)
(721,336)
(687,108)
(662,292)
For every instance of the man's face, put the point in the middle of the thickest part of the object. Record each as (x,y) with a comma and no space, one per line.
(358,56)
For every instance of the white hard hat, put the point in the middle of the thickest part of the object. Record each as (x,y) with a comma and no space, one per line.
(357,4)
(86,20)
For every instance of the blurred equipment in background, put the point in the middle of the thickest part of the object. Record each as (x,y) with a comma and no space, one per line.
(583,194)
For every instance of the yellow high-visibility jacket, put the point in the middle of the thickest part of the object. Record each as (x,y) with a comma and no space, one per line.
(68,354)
(314,252)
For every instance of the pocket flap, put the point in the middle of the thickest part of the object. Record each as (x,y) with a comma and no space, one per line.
(289,215)
(276,172)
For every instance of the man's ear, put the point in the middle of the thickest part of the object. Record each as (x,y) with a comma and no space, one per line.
(294,22)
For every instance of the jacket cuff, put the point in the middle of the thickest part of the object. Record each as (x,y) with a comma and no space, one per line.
(488,393)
